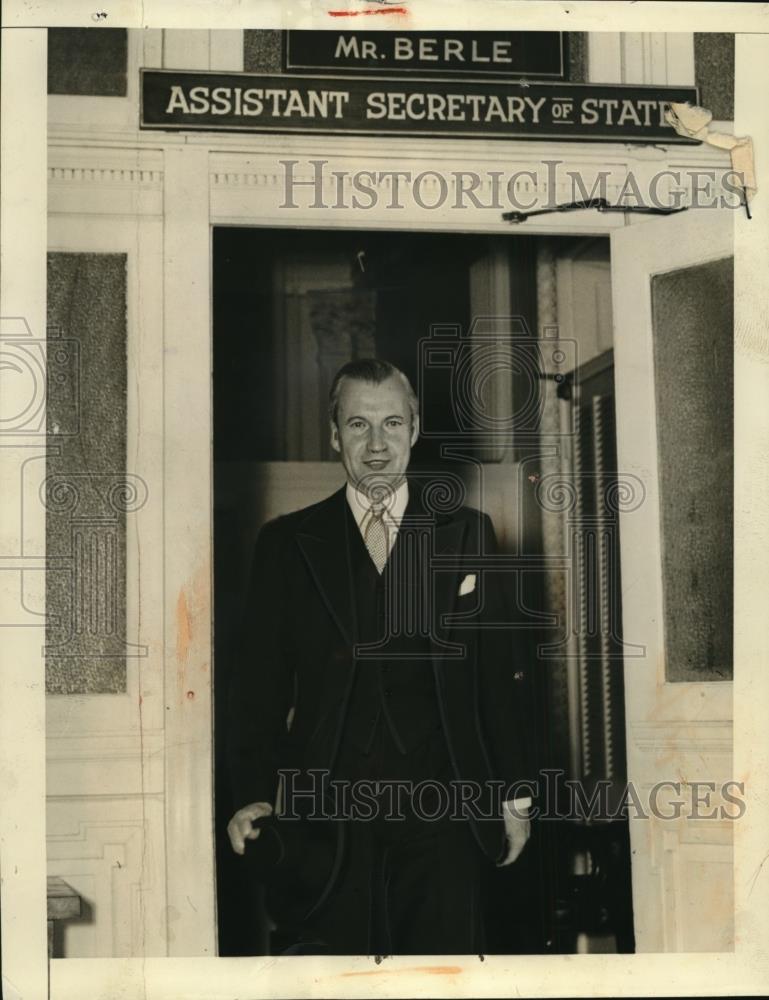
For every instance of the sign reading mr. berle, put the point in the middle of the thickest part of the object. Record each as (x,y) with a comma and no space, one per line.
(245,102)
(445,53)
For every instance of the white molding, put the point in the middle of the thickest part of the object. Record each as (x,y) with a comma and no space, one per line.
(656,57)
(186,48)
(247,181)
(679,48)
(187,531)
(680,850)
(679,732)
(152,55)
(634,64)
(250,188)
(226,50)
(638,253)
(688,754)
(94,765)
(604,57)
(116,865)
(121,176)
(92,181)
(141,707)
(106,753)
(641,57)
(683,736)
(110,200)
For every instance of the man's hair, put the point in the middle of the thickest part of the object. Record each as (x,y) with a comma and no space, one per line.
(369,370)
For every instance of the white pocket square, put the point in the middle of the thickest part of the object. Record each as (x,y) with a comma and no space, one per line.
(467,586)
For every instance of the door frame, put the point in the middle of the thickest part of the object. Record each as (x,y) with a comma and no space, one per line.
(676,731)
(238,187)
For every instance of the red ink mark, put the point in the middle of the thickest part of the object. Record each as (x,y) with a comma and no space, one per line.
(190,695)
(376,10)
(430,970)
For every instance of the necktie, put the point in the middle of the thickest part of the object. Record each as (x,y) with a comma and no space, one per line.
(375,536)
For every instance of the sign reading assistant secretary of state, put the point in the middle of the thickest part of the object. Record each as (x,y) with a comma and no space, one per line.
(380,729)
(247,102)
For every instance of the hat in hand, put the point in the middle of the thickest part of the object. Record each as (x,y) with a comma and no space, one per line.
(298,860)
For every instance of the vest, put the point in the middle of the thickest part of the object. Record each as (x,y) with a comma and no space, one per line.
(394,683)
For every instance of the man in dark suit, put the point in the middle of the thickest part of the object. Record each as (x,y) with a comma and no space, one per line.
(378,679)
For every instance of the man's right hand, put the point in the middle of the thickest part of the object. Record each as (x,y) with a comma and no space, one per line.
(240,827)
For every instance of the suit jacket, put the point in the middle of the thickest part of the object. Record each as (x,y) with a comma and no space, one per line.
(298,652)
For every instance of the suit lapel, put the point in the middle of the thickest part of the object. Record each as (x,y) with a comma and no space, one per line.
(447,540)
(449,537)
(324,541)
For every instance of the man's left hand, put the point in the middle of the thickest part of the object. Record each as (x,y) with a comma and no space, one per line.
(518,830)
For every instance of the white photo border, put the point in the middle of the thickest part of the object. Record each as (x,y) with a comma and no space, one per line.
(22,690)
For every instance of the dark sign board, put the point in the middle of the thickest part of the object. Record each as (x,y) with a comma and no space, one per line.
(501,54)
(200,101)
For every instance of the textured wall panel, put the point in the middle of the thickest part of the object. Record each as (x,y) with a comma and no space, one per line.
(262,51)
(88,62)
(693,344)
(86,491)
(714,72)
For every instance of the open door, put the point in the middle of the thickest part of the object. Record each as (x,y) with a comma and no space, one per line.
(672,289)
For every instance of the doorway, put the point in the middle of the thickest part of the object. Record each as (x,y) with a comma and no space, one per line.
(289,308)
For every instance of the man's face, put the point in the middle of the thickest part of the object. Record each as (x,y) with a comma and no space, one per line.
(374,433)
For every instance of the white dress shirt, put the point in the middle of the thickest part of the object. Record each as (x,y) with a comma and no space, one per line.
(395,507)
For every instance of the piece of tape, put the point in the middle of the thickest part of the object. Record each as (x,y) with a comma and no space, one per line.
(693,122)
